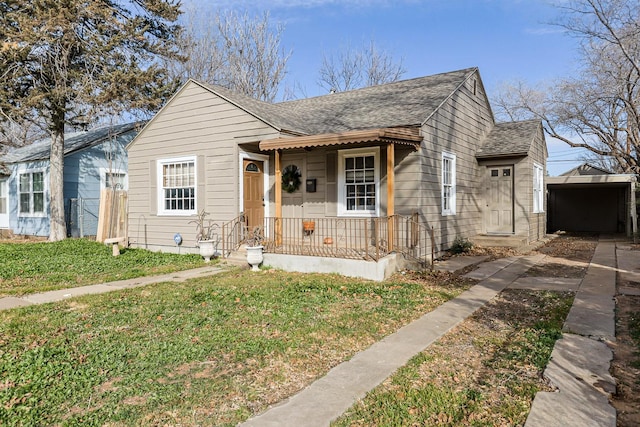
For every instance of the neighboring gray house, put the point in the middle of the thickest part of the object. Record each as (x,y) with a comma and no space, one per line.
(93,160)
(590,199)
(401,168)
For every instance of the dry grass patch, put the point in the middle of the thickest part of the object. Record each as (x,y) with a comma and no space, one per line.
(626,360)
(484,372)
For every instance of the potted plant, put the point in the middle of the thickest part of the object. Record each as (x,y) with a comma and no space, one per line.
(254,248)
(308,227)
(206,238)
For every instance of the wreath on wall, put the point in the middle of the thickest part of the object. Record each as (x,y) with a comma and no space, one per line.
(291,178)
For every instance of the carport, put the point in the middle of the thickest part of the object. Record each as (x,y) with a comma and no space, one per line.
(592,203)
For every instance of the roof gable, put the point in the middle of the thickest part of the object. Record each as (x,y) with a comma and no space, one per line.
(510,139)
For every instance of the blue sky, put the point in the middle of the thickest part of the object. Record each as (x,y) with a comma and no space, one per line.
(507,39)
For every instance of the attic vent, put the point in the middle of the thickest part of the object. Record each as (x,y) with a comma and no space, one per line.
(475,86)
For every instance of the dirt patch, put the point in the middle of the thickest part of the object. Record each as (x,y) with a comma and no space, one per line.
(108,385)
(566,257)
(135,400)
(550,268)
(492,253)
(626,361)
(575,248)
(485,371)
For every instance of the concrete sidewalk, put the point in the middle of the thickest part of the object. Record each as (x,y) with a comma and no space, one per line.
(59,295)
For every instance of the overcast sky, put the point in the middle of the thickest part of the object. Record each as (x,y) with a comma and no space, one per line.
(507,40)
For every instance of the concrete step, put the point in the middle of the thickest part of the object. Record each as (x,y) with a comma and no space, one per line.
(238,258)
(490,240)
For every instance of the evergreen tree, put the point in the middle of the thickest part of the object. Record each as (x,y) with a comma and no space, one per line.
(69,62)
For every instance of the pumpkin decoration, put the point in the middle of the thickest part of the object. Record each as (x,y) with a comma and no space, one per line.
(291,178)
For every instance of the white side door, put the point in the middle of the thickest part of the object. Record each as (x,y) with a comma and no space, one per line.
(4,202)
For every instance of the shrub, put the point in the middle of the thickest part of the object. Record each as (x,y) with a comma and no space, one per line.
(461,245)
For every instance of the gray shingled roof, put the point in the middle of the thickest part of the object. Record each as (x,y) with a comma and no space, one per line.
(73,142)
(586,169)
(403,103)
(509,138)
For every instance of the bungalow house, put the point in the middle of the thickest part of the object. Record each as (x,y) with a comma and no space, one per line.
(93,160)
(390,172)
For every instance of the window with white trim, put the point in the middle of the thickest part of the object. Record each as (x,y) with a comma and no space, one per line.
(448,184)
(538,188)
(358,178)
(177,186)
(31,193)
(113,179)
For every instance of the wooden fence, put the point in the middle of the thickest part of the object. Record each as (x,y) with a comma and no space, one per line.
(112,215)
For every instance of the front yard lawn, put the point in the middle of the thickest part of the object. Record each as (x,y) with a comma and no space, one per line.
(210,351)
(38,267)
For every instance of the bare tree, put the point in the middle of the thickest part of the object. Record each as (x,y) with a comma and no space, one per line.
(355,68)
(238,51)
(599,108)
(14,134)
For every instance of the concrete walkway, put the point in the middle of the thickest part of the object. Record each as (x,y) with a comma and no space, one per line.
(53,296)
(327,398)
(579,365)
(580,361)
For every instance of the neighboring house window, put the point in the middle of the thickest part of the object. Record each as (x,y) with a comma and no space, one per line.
(31,190)
(4,208)
(177,185)
(358,192)
(448,184)
(117,180)
(538,189)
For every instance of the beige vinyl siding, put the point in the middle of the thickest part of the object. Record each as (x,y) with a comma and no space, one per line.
(457,127)
(529,224)
(538,154)
(314,164)
(198,123)
(523,195)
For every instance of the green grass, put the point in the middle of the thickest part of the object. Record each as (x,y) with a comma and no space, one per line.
(484,373)
(37,267)
(210,351)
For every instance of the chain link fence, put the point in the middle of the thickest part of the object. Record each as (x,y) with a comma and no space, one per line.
(82,217)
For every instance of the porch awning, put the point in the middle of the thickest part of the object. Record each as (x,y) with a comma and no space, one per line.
(407,136)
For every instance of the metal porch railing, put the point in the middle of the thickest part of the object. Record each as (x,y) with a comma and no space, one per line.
(352,238)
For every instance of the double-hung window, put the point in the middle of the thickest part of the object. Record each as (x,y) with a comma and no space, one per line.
(31,193)
(177,186)
(358,190)
(538,189)
(448,189)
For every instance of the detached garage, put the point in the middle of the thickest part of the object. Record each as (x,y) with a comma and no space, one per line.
(589,199)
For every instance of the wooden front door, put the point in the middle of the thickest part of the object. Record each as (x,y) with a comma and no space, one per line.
(4,202)
(253,179)
(499,217)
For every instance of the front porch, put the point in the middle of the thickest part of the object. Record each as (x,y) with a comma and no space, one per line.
(361,239)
